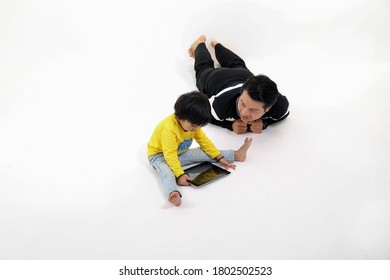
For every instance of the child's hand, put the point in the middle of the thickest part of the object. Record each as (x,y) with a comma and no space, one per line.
(183,180)
(227,164)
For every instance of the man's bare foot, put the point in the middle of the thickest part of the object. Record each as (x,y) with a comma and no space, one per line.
(191,50)
(240,154)
(174,198)
(214,42)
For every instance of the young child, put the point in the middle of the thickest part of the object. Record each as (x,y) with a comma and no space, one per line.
(169,146)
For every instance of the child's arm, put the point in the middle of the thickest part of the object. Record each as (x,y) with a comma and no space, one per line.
(206,144)
(225,162)
(169,148)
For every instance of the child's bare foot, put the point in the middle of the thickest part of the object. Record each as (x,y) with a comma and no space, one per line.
(214,42)
(240,154)
(191,50)
(174,198)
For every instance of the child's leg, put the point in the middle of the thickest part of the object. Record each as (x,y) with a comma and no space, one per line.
(197,155)
(175,198)
(168,178)
(240,154)
(194,155)
(228,155)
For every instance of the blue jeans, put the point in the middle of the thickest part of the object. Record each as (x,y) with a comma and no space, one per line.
(191,156)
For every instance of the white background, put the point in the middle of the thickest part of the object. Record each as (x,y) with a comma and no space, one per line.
(83,84)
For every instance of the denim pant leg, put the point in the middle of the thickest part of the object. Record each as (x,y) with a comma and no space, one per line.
(168,178)
(197,155)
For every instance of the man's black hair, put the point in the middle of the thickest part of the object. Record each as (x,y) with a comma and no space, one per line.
(262,89)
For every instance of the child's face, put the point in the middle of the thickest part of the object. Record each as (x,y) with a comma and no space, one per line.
(187,126)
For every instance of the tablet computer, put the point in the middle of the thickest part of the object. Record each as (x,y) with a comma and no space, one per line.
(204,173)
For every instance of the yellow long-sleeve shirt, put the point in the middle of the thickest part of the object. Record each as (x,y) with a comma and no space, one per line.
(170,139)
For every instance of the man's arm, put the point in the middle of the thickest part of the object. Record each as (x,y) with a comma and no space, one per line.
(224,123)
(256,126)
(238,126)
(223,108)
(278,112)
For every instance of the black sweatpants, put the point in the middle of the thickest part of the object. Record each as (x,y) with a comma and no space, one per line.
(211,80)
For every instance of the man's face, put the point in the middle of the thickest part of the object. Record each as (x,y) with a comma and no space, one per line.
(249,109)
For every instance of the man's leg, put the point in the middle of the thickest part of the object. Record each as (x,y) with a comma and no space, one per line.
(226,57)
(203,66)
(210,80)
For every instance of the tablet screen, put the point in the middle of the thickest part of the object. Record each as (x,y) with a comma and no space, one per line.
(205,173)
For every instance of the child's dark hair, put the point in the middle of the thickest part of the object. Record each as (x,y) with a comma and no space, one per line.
(262,89)
(194,107)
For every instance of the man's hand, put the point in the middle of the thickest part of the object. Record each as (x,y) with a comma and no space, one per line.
(239,127)
(256,126)
(183,180)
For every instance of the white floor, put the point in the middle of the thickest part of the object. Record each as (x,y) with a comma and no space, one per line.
(83,83)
